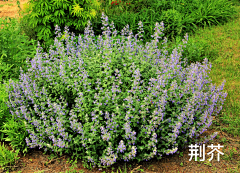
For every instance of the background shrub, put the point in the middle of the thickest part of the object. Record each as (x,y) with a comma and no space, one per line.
(14,48)
(47,14)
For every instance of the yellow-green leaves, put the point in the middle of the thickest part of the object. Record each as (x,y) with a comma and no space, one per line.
(77,10)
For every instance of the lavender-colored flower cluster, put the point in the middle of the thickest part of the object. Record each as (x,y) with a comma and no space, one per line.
(105,102)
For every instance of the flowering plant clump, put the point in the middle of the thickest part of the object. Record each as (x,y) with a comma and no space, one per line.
(105,102)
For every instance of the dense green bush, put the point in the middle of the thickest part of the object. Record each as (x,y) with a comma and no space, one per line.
(46,14)
(14,48)
(104,103)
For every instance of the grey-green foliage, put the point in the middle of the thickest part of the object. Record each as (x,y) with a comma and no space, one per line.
(105,103)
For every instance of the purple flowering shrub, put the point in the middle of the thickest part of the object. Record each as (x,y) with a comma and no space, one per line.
(103,102)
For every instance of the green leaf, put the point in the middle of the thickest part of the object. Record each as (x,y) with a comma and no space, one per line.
(34,17)
(45,31)
(62,12)
(46,18)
